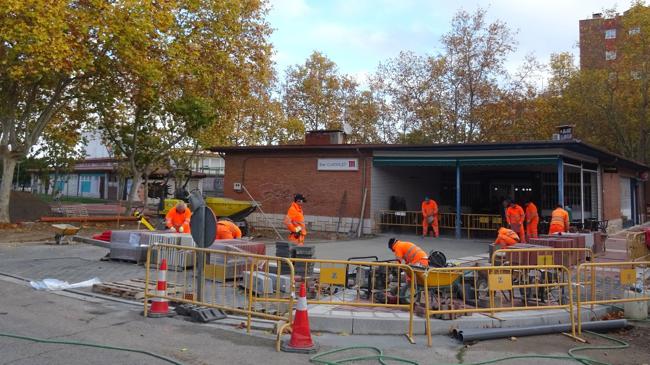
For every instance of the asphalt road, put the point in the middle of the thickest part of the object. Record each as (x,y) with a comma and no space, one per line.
(26,312)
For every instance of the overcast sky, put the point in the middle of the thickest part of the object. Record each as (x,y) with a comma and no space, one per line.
(358,34)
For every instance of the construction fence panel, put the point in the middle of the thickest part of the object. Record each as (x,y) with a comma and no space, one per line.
(455,291)
(370,284)
(470,222)
(610,283)
(235,282)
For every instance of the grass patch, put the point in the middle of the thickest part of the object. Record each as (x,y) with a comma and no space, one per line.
(71,199)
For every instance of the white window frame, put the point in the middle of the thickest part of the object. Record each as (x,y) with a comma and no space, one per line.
(610,55)
(610,33)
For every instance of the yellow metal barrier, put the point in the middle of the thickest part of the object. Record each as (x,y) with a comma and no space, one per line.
(238,282)
(608,283)
(452,291)
(372,284)
(469,222)
(567,257)
(636,248)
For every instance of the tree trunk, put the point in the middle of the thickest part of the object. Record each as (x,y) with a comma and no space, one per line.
(8,166)
(137,180)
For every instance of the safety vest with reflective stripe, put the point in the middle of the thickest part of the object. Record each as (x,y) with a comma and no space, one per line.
(410,253)
(560,218)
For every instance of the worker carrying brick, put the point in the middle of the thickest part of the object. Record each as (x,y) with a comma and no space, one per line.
(559,220)
(515,217)
(408,253)
(227,230)
(295,220)
(506,237)
(429,216)
(178,218)
(532,220)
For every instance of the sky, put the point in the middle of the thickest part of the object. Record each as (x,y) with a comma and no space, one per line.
(359,34)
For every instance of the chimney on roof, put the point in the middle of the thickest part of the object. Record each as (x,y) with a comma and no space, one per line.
(597,15)
(324,137)
(564,132)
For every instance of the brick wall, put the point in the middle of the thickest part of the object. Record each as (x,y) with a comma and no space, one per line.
(273,178)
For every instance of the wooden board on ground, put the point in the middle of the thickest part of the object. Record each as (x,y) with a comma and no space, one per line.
(132,289)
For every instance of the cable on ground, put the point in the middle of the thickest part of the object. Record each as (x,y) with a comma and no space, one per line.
(382,358)
(77,343)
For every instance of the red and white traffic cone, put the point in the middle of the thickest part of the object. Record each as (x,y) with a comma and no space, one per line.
(160,306)
(301,341)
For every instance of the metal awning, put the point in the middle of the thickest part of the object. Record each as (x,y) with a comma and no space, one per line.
(449,162)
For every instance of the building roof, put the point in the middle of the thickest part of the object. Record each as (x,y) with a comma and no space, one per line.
(574,145)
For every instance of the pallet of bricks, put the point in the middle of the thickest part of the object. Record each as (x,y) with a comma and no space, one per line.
(567,259)
(221,267)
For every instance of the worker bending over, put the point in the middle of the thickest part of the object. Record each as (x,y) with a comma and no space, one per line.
(429,216)
(295,221)
(506,237)
(532,220)
(178,218)
(227,230)
(559,220)
(515,217)
(408,253)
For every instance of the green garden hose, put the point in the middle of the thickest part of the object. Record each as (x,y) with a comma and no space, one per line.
(76,343)
(379,355)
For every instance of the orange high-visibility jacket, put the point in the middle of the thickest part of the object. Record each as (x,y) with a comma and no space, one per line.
(227,230)
(559,221)
(410,254)
(507,237)
(515,215)
(176,220)
(531,214)
(295,218)
(429,209)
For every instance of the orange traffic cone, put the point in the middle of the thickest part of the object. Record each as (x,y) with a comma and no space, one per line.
(301,341)
(160,306)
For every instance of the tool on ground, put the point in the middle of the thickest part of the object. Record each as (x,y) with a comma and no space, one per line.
(143,220)
(301,341)
(160,306)
(64,233)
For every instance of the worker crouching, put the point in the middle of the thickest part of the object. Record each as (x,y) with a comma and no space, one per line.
(178,218)
(506,238)
(227,230)
(408,253)
(295,221)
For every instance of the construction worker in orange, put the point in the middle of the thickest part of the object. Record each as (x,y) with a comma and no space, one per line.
(559,220)
(227,230)
(178,218)
(295,220)
(515,217)
(506,237)
(408,253)
(429,216)
(532,220)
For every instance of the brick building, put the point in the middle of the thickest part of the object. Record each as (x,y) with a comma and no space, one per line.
(343,182)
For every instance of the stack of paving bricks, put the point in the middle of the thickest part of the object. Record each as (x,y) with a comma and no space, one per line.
(563,241)
(258,248)
(303,269)
(521,258)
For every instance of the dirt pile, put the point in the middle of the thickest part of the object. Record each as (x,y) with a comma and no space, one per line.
(26,207)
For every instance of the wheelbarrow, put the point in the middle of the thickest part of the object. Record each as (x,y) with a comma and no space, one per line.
(64,232)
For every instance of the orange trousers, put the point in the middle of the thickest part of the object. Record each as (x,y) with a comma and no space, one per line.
(434,225)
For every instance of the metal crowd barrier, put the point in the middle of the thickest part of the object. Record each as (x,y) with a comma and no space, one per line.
(358,284)
(469,222)
(570,258)
(452,291)
(609,283)
(236,282)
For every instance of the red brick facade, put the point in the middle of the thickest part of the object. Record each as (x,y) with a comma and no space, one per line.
(323,189)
